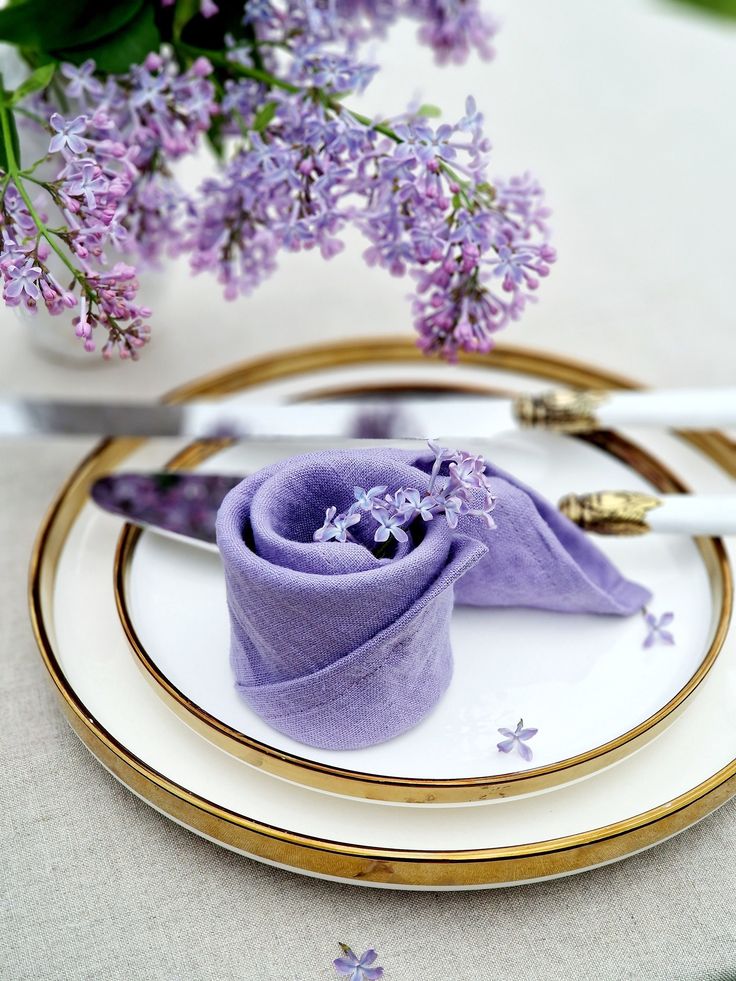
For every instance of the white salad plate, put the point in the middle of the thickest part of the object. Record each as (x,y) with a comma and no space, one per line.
(584,682)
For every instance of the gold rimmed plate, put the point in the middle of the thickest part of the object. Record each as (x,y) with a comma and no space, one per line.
(672,782)
(585,682)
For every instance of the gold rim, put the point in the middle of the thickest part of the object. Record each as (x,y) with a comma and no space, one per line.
(403,867)
(412,790)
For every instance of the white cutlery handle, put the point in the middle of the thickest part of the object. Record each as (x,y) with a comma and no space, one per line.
(695,514)
(687,408)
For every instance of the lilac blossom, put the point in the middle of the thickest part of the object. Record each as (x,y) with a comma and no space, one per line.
(657,629)
(22,279)
(336,527)
(358,968)
(517,740)
(67,134)
(465,491)
(415,505)
(388,525)
(298,168)
(111,192)
(367,498)
(81,81)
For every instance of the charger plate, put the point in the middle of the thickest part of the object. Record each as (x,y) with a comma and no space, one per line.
(672,782)
(584,681)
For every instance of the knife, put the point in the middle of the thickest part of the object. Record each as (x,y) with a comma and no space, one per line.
(184,506)
(424,418)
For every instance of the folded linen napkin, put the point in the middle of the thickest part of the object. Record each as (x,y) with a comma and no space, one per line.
(340,649)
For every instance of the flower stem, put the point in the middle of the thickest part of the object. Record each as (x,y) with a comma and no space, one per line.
(15,174)
(274,82)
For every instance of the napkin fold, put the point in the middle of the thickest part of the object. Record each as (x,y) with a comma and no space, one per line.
(339,649)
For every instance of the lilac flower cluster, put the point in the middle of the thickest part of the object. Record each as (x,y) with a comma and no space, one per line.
(297,166)
(100,191)
(394,512)
(452,28)
(419,193)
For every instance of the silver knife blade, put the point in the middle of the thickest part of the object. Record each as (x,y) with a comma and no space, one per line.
(384,418)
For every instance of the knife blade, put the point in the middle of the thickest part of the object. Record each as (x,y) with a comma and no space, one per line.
(375,418)
(184,505)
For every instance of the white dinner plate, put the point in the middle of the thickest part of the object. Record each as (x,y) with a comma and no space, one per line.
(585,682)
(671,782)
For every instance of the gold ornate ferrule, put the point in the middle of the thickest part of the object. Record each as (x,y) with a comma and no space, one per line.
(563,410)
(610,512)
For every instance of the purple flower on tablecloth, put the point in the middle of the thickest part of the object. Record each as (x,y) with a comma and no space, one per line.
(358,968)
(517,740)
(657,631)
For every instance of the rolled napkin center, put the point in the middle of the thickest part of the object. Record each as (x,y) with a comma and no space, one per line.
(341,649)
(329,644)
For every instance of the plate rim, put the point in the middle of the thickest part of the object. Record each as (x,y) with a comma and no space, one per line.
(352,862)
(418,791)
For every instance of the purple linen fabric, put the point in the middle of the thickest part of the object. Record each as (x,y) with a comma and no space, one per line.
(341,650)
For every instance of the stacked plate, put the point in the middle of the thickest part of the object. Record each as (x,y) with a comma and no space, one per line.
(633,745)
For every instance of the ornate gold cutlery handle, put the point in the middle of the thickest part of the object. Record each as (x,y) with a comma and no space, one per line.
(610,512)
(633,513)
(562,410)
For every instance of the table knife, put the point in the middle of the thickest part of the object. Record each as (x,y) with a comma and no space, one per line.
(421,418)
(184,505)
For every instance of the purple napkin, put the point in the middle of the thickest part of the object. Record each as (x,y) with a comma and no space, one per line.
(341,650)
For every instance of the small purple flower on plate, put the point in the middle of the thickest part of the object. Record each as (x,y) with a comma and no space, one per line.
(517,739)
(657,631)
(358,968)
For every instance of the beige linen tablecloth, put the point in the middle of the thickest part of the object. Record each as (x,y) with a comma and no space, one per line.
(625,111)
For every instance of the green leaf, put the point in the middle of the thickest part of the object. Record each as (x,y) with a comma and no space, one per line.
(431,112)
(9,123)
(65,23)
(264,116)
(117,52)
(724,8)
(184,10)
(34,83)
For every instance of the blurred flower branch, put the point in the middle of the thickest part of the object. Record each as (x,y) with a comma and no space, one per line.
(124,90)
